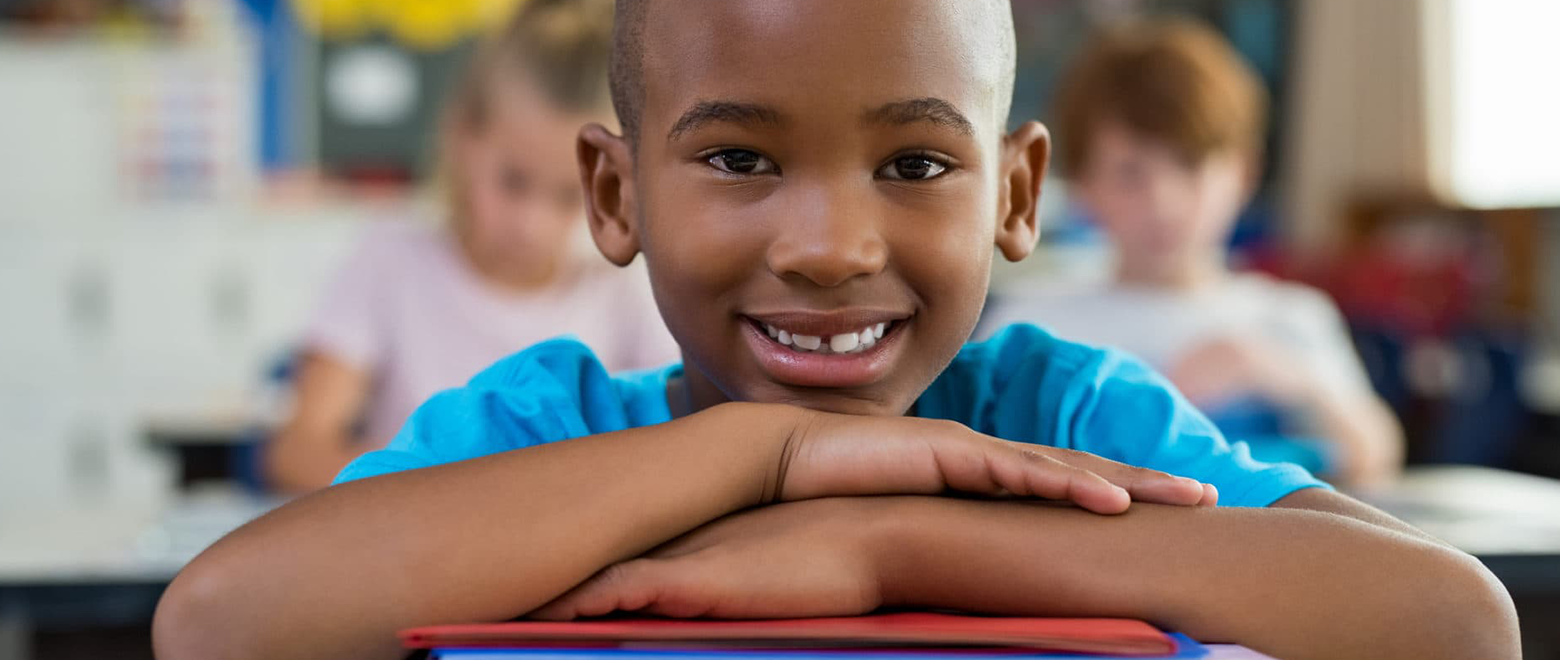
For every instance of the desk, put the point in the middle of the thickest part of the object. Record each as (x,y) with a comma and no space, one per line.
(208,450)
(104,566)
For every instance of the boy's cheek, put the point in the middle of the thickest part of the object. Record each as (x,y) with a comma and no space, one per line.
(699,266)
(948,264)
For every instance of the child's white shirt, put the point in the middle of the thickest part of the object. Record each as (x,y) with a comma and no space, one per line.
(1161,326)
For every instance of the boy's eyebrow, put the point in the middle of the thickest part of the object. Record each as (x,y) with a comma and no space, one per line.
(736,112)
(928,109)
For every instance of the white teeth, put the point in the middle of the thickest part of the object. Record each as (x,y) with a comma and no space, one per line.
(849,342)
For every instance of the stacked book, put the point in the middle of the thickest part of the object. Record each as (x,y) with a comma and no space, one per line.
(898,636)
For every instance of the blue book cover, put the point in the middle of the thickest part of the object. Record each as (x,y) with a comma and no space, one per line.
(1187,648)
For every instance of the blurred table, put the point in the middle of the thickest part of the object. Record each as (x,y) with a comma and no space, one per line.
(104,566)
(1509,520)
(208,449)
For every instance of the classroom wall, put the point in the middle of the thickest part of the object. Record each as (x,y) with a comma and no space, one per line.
(1430,98)
(1357,115)
(121,305)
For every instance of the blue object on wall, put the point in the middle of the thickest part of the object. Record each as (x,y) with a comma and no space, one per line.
(276,37)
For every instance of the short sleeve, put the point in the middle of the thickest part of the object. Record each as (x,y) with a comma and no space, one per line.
(1027,385)
(553,391)
(350,317)
(1119,408)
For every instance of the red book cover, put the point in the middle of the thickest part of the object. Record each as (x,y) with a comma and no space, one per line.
(900,630)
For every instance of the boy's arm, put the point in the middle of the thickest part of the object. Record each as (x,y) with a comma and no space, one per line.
(337,573)
(1302,579)
(1290,580)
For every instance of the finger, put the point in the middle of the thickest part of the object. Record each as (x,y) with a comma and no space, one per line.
(628,586)
(1024,471)
(1143,484)
(1210,496)
(986,465)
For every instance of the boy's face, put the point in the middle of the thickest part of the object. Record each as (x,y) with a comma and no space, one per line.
(829,170)
(1161,212)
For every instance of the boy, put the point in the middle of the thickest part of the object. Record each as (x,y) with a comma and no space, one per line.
(1161,129)
(833,171)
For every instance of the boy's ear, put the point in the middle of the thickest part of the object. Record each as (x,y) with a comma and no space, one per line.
(1025,153)
(607,174)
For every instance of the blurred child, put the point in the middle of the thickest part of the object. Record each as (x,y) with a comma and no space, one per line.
(818,189)
(1161,129)
(418,309)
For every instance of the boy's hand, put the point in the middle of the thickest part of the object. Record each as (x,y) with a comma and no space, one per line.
(813,558)
(1235,366)
(834,455)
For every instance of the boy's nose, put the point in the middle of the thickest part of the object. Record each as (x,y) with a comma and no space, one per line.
(830,240)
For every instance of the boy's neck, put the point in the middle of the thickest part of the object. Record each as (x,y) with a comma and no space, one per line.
(1192,276)
(692,392)
(678,400)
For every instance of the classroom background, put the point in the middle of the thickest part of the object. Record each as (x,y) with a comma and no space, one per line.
(178,178)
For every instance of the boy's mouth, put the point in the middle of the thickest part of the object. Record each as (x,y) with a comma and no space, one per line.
(843,343)
(840,349)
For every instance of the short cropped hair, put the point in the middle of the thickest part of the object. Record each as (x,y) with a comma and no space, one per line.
(1173,80)
(626,72)
(628,54)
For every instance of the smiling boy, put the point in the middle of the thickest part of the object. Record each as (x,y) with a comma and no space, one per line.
(818,188)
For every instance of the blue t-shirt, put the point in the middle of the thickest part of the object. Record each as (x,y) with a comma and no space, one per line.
(1022,385)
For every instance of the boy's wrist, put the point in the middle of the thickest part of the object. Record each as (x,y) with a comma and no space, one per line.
(767,434)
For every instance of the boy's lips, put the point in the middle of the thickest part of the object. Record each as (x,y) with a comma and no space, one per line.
(846,348)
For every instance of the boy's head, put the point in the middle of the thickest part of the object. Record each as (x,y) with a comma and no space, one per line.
(822,168)
(508,136)
(1161,129)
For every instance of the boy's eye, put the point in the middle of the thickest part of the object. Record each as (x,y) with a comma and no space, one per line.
(913,168)
(741,161)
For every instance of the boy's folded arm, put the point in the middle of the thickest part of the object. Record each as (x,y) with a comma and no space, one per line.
(1288,580)
(337,573)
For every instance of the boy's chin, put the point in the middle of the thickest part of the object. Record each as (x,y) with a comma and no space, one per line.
(843,403)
